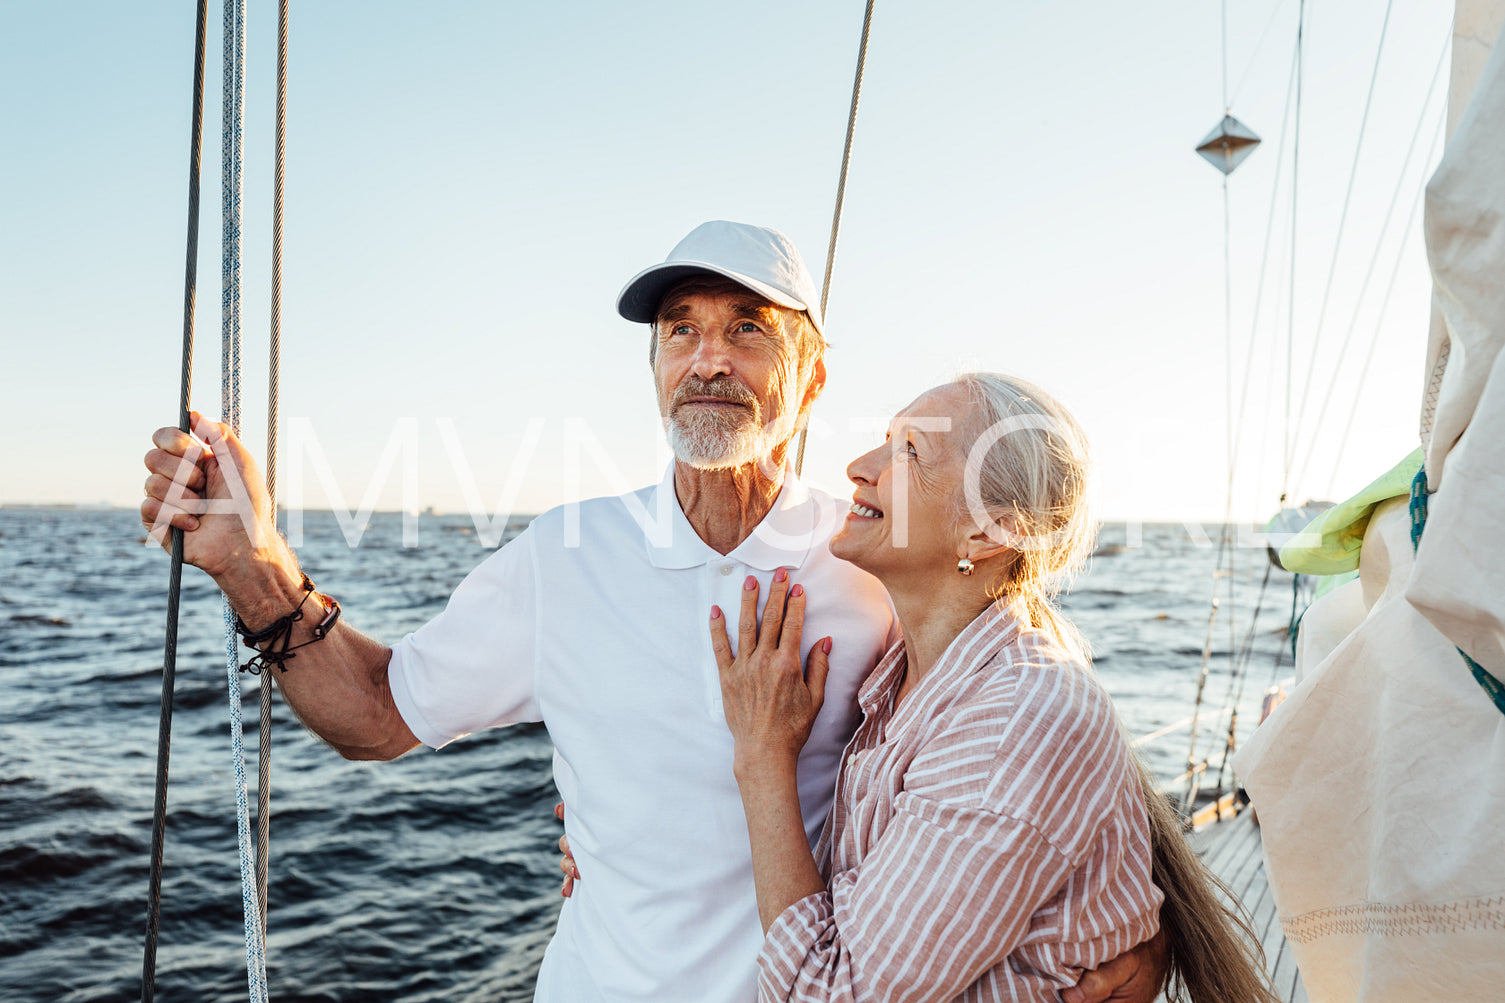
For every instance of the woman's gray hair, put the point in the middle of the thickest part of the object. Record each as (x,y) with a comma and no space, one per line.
(1028,480)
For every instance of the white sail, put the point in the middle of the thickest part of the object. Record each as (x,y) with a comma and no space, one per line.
(1476,25)
(1380,782)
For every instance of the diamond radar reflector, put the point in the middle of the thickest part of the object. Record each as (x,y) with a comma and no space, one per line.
(1228,145)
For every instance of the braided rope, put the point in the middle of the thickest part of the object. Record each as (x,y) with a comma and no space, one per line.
(841,195)
(234,118)
(264,759)
(1418,507)
(175,580)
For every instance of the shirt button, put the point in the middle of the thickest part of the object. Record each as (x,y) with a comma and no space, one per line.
(852,759)
(726,569)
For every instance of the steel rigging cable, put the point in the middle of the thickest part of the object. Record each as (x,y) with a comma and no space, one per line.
(1332,267)
(1384,309)
(1373,262)
(264,759)
(841,194)
(175,579)
(1288,440)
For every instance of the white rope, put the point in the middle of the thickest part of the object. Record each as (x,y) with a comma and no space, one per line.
(1174,727)
(1194,771)
(234,117)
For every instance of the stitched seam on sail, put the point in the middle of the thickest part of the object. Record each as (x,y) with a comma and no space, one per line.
(1397,920)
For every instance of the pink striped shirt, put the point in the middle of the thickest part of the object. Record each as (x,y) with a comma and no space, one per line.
(988,841)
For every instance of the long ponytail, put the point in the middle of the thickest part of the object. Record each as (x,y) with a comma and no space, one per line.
(1028,473)
(1214,955)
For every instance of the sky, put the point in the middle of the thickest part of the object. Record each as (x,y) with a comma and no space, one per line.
(469,185)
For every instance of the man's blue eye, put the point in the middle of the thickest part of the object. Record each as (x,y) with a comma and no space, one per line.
(748,327)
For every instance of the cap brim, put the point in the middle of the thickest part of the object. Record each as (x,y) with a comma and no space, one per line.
(639,299)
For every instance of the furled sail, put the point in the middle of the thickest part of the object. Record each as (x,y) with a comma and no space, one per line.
(1380,782)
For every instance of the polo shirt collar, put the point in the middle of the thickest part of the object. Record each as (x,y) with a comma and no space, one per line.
(783,539)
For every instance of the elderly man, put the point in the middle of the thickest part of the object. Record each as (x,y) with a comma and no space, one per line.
(593,620)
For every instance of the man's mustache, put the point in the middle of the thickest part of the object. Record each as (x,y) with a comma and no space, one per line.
(722,388)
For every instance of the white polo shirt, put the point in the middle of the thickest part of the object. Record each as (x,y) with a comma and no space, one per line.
(595,620)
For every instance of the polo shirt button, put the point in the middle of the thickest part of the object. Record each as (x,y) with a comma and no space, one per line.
(726,569)
(852,759)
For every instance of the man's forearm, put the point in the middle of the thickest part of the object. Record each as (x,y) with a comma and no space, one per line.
(337,686)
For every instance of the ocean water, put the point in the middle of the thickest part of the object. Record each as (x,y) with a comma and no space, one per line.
(430,878)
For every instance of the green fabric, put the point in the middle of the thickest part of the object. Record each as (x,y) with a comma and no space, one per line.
(1328,583)
(1341,528)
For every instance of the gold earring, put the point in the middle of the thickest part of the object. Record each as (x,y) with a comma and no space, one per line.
(964,565)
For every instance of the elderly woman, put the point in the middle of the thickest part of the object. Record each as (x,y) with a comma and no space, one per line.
(989,837)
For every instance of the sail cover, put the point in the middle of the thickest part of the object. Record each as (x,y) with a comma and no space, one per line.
(1380,782)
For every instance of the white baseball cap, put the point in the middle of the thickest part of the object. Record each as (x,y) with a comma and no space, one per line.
(760,258)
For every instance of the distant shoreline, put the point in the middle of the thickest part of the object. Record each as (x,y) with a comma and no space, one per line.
(67,506)
(445,513)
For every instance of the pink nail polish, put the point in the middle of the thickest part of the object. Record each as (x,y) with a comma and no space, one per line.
(826,646)
(715,612)
(750,584)
(798,590)
(780,575)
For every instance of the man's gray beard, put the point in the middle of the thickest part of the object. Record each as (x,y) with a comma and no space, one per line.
(709,442)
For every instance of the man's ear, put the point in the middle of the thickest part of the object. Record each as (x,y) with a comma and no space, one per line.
(817,384)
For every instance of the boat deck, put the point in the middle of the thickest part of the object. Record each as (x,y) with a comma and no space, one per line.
(1231,849)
